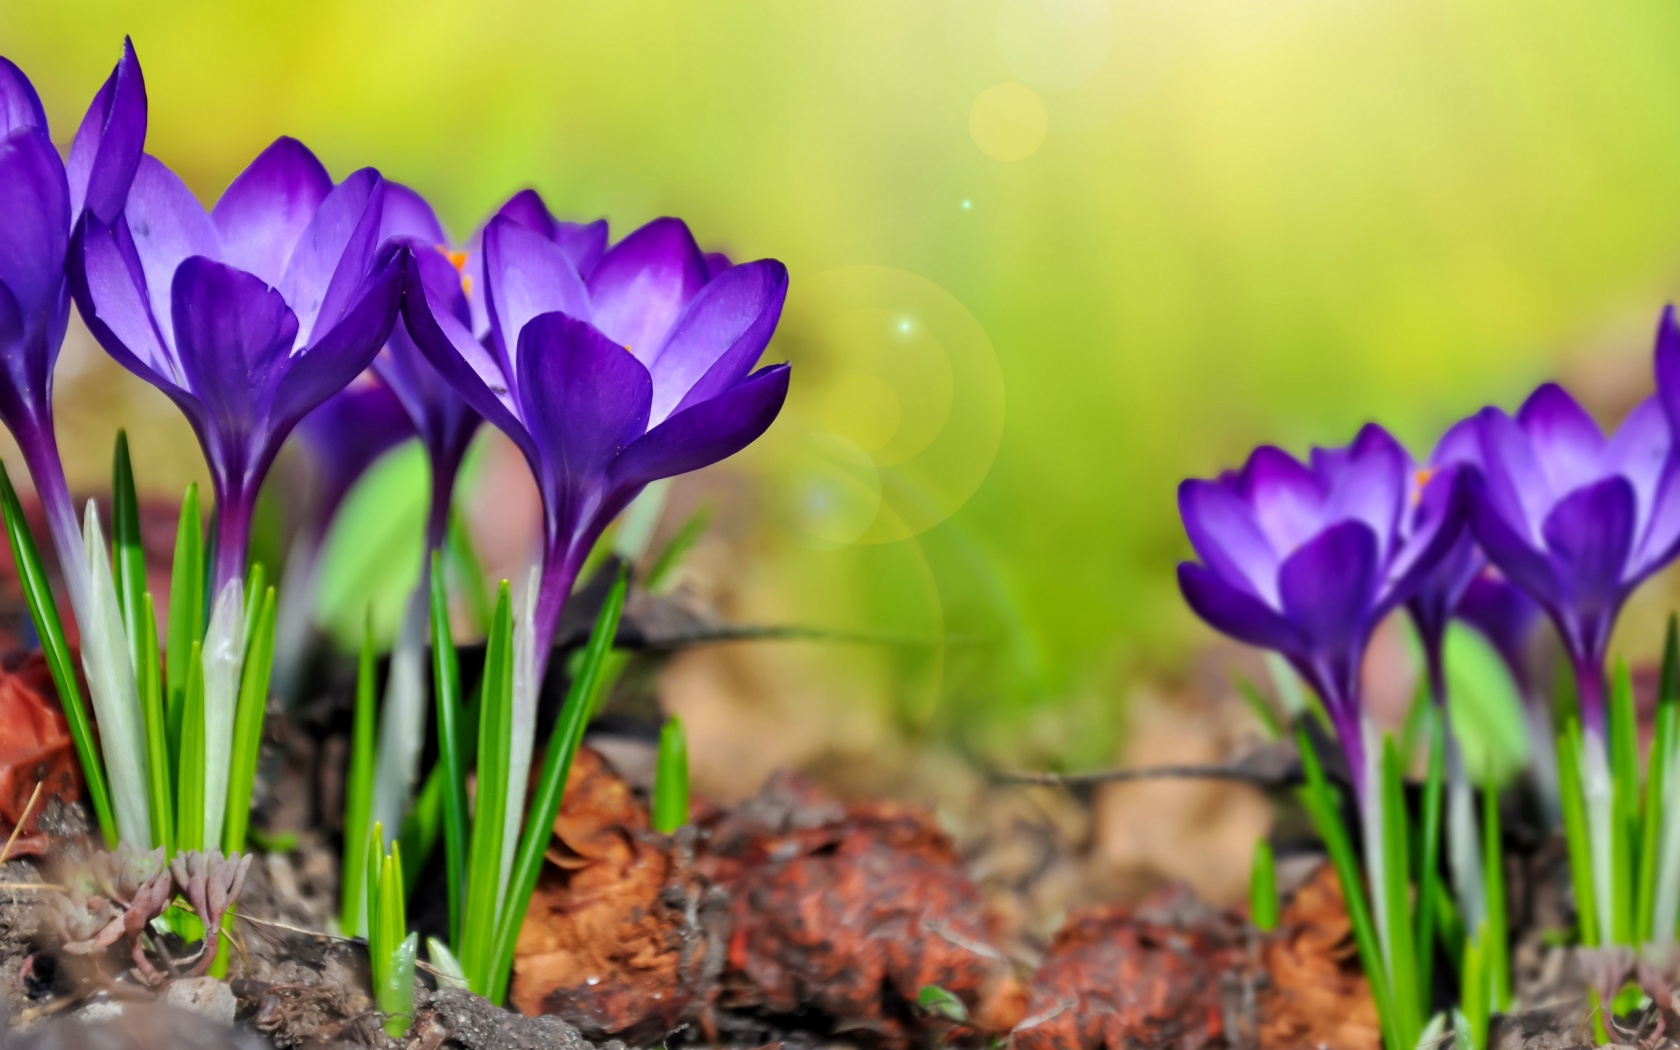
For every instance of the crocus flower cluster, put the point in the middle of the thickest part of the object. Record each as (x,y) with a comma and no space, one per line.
(1306,558)
(610,366)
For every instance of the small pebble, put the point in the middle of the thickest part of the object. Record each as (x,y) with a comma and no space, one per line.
(203,995)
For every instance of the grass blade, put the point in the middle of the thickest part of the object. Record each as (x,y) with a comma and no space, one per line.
(1575,828)
(1320,801)
(186,610)
(248,724)
(1270,724)
(1495,937)
(358,794)
(159,764)
(666,561)
(670,778)
(37,594)
(551,785)
(1262,887)
(1429,856)
(1655,814)
(108,660)
(1397,896)
(127,552)
(484,860)
(1624,804)
(189,785)
(446,688)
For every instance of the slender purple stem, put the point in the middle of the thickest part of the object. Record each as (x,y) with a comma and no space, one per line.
(1590,691)
(561,565)
(39,445)
(233,534)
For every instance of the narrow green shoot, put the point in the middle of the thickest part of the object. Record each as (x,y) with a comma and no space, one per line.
(1262,888)
(664,563)
(1495,935)
(1666,880)
(1474,1005)
(1575,835)
(186,610)
(670,778)
(358,792)
(1624,804)
(484,858)
(563,743)
(160,764)
(127,553)
(445,967)
(1270,724)
(1397,897)
(422,826)
(248,724)
(1322,805)
(1655,813)
(189,785)
(391,948)
(37,594)
(452,775)
(1429,856)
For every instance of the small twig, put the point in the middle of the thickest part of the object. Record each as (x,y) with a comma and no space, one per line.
(965,943)
(1113,776)
(34,797)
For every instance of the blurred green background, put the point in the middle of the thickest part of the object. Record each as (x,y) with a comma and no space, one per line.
(1048,258)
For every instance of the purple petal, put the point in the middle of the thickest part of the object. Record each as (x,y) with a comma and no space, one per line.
(1433,536)
(34,219)
(581,243)
(1329,586)
(583,398)
(1517,488)
(1287,498)
(407,214)
(347,433)
(1638,450)
(1668,364)
(1659,538)
(719,337)
(525,275)
(167,225)
(1504,615)
(1567,443)
(1237,613)
(1508,546)
(716,263)
(706,433)
(643,282)
(1373,486)
(106,151)
(343,351)
(266,209)
(1589,535)
(20,106)
(108,283)
(1460,445)
(472,370)
(1227,539)
(234,334)
(334,255)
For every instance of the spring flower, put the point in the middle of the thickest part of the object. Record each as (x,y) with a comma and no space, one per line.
(248,316)
(1306,558)
(444,421)
(641,370)
(1506,617)
(39,200)
(1577,519)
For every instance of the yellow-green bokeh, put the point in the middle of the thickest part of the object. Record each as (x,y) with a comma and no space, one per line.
(1132,239)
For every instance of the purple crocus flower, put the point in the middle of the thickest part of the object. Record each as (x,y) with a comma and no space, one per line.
(248,316)
(1576,519)
(641,370)
(445,422)
(39,200)
(1306,558)
(1438,593)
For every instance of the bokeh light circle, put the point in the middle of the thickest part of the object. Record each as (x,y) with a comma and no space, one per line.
(898,401)
(1008,121)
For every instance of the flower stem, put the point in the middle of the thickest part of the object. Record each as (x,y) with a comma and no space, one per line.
(233,534)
